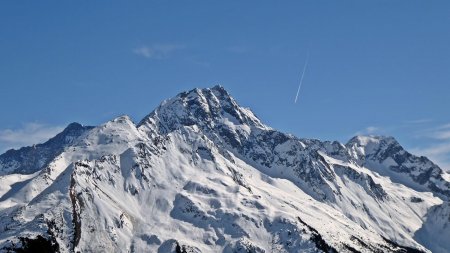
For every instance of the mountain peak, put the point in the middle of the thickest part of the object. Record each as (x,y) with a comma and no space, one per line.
(206,108)
(219,89)
(373,146)
(371,139)
(217,92)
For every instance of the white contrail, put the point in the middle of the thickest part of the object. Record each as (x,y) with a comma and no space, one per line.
(301,78)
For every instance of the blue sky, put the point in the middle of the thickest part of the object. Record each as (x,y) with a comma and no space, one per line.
(376,67)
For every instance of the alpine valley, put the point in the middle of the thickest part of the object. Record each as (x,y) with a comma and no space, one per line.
(202,174)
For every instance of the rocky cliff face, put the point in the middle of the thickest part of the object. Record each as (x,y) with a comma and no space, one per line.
(202,174)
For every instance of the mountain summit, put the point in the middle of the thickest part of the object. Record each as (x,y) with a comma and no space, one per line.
(202,174)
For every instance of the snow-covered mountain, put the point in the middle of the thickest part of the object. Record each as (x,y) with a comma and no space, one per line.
(202,174)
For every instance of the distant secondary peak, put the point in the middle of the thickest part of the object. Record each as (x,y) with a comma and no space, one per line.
(122,119)
(364,140)
(74,125)
(74,128)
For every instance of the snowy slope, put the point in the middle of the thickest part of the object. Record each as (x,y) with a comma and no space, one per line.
(202,174)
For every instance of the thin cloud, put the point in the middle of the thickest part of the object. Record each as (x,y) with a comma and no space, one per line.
(418,121)
(442,135)
(28,134)
(439,149)
(369,130)
(441,132)
(157,51)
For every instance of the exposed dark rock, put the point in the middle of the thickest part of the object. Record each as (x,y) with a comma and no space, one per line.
(317,239)
(33,245)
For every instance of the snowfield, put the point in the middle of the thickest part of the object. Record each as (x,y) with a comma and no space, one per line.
(202,174)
